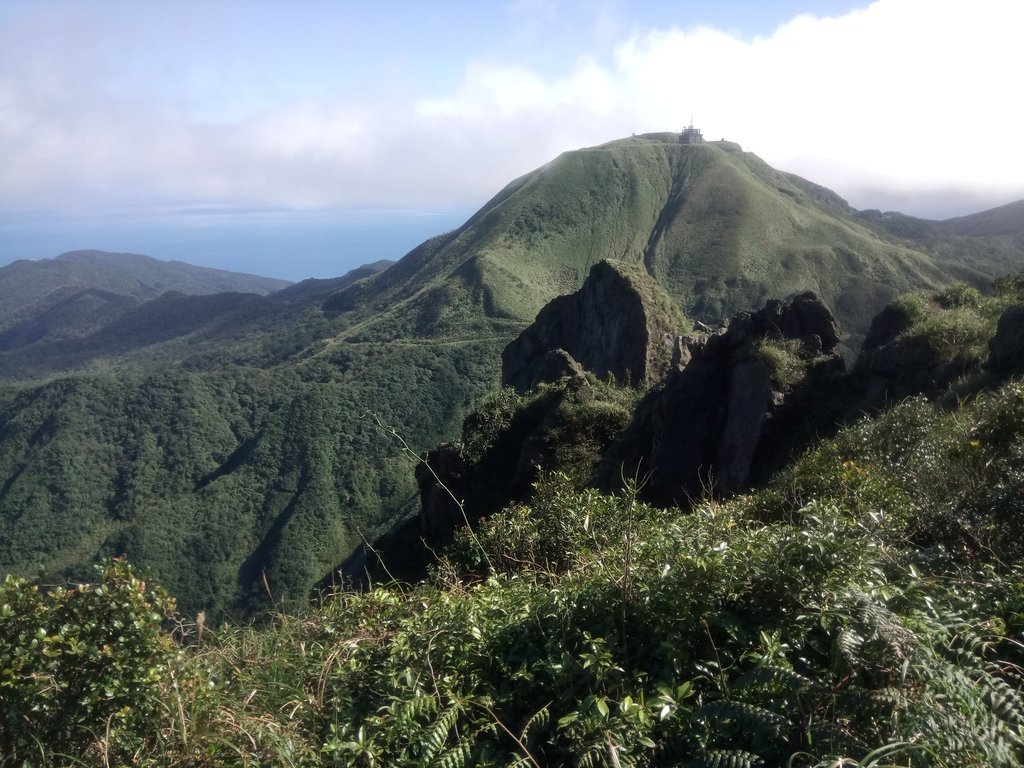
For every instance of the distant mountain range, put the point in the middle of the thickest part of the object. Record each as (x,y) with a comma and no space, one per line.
(238,435)
(33,286)
(58,315)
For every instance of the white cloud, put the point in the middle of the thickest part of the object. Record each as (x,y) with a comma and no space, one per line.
(905,100)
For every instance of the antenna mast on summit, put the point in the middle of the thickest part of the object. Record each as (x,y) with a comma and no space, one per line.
(691,135)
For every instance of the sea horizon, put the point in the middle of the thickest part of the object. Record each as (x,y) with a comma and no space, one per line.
(284,244)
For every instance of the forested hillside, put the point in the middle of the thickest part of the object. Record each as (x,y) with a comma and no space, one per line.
(863,607)
(241,447)
(219,480)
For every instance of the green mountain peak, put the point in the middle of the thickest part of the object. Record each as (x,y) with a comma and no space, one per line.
(716,226)
(230,441)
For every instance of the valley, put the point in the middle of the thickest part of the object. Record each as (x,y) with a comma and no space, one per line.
(227,442)
(664,457)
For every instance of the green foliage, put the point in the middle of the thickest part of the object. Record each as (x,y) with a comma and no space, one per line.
(511,440)
(1010,286)
(952,477)
(957,335)
(913,306)
(952,326)
(545,535)
(782,357)
(220,439)
(826,620)
(959,295)
(861,606)
(492,418)
(213,480)
(82,668)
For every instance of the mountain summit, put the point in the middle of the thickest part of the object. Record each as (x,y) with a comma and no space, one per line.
(716,226)
(242,447)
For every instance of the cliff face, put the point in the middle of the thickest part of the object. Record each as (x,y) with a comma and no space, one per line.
(1006,348)
(723,404)
(735,405)
(619,323)
(703,429)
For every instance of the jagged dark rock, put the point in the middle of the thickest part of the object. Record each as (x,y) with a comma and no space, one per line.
(620,323)
(439,508)
(705,427)
(1006,348)
(736,394)
(555,365)
(886,326)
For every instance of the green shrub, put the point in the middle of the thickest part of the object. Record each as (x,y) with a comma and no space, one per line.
(1010,287)
(82,668)
(912,305)
(492,417)
(782,357)
(952,326)
(957,335)
(959,295)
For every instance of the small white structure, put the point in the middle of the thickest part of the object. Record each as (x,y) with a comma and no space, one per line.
(691,135)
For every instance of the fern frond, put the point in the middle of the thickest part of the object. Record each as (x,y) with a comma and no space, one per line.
(593,757)
(458,756)
(537,721)
(886,699)
(756,724)
(869,703)
(1004,700)
(884,625)
(778,677)
(434,739)
(727,758)
(836,737)
(407,711)
(848,645)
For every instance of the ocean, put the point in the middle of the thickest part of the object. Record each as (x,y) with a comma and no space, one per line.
(291,245)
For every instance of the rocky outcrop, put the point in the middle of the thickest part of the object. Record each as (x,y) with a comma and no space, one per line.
(1006,348)
(555,365)
(619,323)
(919,345)
(439,499)
(739,393)
(730,397)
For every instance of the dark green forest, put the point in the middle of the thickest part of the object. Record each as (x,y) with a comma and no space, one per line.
(220,482)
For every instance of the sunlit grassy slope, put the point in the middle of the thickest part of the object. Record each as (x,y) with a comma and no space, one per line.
(719,228)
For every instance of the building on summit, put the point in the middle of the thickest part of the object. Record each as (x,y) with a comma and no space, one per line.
(691,135)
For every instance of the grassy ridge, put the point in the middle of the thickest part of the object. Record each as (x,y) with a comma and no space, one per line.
(228,435)
(720,229)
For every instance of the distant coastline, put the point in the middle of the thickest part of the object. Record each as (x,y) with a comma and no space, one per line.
(291,245)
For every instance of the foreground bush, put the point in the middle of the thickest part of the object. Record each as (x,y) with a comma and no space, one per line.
(81,668)
(865,609)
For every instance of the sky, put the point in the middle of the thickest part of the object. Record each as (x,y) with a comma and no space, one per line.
(300,139)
